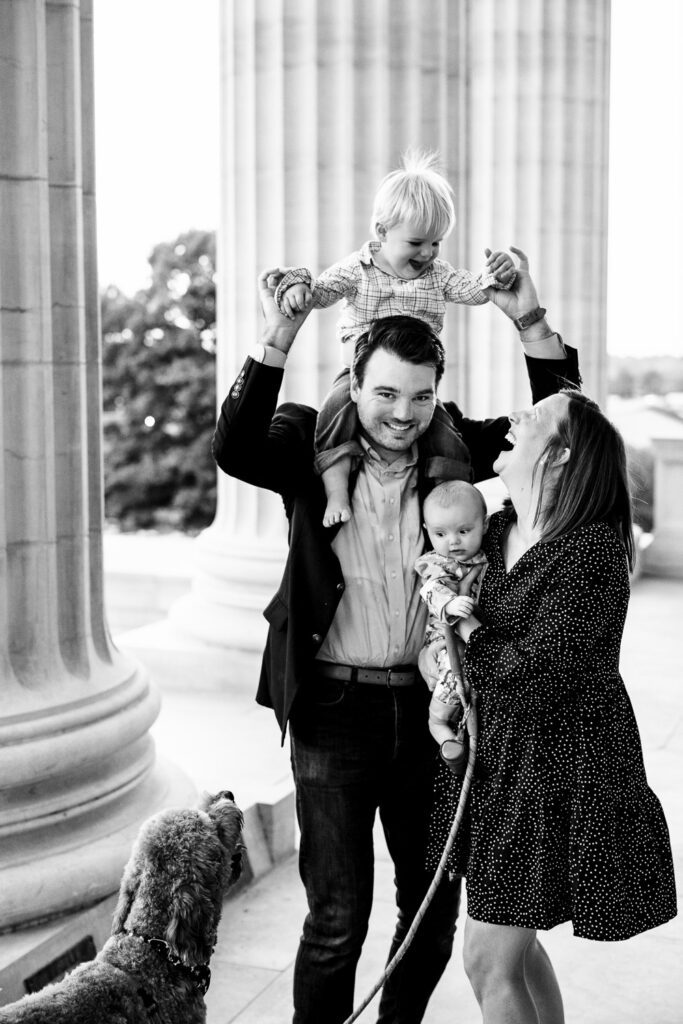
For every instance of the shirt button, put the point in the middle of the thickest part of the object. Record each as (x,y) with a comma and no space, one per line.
(393,575)
(316,638)
(391,536)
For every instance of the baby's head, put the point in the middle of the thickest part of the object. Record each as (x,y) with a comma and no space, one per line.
(417,194)
(456,520)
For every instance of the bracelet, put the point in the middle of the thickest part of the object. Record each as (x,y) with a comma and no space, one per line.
(527,319)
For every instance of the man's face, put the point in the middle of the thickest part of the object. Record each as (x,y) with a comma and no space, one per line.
(395,402)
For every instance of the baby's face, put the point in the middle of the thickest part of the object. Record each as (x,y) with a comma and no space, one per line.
(456,531)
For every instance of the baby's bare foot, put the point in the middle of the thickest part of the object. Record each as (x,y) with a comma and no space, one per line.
(338,508)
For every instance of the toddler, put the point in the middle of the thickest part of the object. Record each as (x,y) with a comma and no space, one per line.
(456,521)
(398,272)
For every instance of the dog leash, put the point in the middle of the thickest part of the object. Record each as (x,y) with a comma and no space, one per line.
(472,727)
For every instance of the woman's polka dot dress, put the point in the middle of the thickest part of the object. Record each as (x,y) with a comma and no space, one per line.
(561,824)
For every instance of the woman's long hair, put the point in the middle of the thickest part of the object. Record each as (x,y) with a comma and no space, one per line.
(593,485)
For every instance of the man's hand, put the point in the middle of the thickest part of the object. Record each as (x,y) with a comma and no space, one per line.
(280,330)
(522,297)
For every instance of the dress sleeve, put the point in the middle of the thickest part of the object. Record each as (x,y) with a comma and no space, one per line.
(583,601)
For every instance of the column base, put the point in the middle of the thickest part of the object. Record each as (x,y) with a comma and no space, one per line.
(51,870)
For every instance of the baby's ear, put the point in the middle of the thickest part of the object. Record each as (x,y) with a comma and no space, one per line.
(486,523)
(380,231)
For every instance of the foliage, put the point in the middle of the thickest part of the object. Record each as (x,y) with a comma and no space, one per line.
(631,376)
(159,385)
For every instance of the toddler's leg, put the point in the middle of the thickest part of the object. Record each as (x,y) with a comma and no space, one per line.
(443,708)
(336,443)
(336,483)
(442,449)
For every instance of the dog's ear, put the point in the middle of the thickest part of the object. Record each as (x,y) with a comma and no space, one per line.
(127,893)
(186,931)
(227,818)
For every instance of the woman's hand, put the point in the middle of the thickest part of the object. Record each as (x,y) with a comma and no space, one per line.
(465,627)
(428,664)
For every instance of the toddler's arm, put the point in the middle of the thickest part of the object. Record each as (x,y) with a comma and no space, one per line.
(474,289)
(337,282)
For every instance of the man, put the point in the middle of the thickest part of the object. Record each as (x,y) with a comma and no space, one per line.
(346,627)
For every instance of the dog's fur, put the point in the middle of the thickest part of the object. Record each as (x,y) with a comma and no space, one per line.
(172,890)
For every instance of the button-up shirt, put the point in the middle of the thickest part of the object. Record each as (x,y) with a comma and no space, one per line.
(380,620)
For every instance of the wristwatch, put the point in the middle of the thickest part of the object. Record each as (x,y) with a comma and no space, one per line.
(527,319)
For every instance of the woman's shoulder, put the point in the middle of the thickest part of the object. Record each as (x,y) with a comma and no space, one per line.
(498,522)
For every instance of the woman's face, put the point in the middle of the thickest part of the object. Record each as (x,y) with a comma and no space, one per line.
(530,431)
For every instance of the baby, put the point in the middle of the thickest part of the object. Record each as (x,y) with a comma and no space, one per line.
(456,521)
(399,272)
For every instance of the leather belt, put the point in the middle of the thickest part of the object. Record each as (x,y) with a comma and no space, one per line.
(398,675)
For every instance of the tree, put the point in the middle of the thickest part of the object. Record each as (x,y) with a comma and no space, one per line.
(159,391)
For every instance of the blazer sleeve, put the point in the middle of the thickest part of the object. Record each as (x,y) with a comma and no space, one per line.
(484,438)
(258,442)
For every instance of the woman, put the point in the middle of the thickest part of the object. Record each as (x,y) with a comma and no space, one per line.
(561,823)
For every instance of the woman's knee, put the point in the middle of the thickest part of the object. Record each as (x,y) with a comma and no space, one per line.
(494,954)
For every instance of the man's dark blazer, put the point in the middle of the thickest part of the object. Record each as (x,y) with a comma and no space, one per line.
(273,448)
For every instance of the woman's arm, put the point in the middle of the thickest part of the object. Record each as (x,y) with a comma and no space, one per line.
(582,606)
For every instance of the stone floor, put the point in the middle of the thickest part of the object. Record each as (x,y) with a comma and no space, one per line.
(225,739)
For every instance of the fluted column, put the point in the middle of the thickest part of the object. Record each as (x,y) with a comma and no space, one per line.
(319,100)
(77,768)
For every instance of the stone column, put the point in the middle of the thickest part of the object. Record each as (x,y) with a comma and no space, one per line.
(319,100)
(77,767)
(664,556)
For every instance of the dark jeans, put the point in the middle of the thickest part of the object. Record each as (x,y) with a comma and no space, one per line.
(357,749)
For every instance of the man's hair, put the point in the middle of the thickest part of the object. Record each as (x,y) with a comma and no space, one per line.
(417,192)
(407,337)
(593,485)
(452,492)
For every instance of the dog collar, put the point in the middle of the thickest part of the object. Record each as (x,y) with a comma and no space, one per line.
(199,973)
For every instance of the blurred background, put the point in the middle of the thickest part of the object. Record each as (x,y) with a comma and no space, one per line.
(158,167)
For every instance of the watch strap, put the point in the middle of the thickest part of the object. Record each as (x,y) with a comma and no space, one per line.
(527,319)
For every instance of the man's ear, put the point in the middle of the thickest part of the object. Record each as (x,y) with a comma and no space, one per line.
(563,457)
(354,388)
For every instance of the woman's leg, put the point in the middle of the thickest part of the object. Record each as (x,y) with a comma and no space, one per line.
(542,982)
(511,975)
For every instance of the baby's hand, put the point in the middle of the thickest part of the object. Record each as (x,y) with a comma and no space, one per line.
(296,300)
(502,267)
(460,607)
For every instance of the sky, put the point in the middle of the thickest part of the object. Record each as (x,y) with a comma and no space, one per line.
(156,104)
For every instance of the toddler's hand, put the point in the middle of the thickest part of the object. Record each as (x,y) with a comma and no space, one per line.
(502,267)
(296,300)
(460,607)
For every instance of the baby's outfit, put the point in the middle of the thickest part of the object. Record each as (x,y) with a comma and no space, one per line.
(370,294)
(441,576)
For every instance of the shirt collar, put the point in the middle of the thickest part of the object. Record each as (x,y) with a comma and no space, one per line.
(368,251)
(399,466)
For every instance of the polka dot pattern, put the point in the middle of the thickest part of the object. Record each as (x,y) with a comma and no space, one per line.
(561,824)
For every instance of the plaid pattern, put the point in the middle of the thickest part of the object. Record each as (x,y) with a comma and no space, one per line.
(369,293)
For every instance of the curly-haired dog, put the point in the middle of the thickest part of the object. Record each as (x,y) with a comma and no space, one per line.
(155,967)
